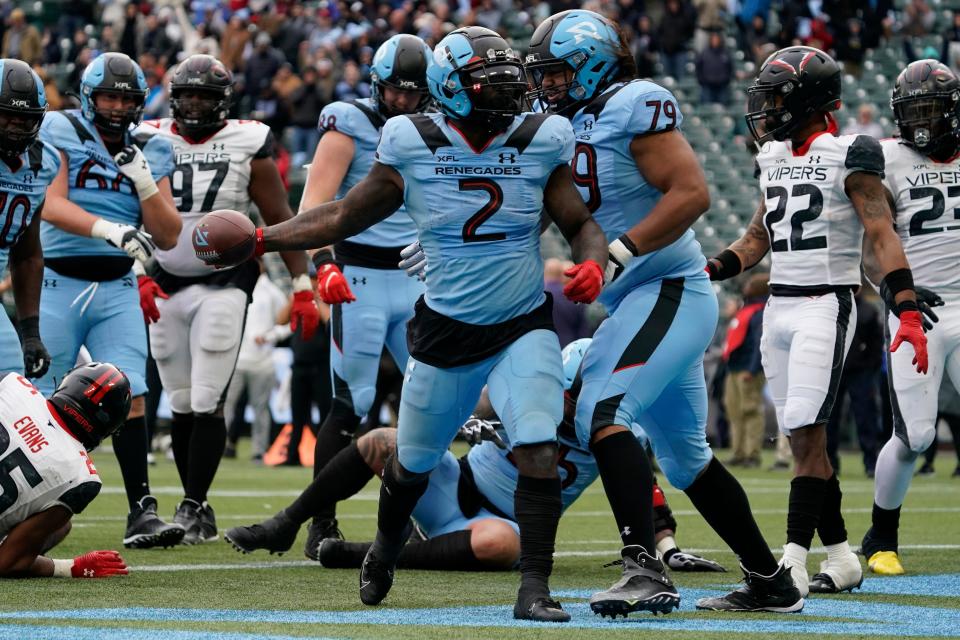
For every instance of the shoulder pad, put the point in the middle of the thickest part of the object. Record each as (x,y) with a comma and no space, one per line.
(865,154)
(77,498)
(159,154)
(647,107)
(345,117)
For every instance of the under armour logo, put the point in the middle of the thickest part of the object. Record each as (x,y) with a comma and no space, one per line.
(88,573)
(814,160)
(218,146)
(583,30)
(357,281)
(28,178)
(625,532)
(49,283)
(588,125)
(508,157)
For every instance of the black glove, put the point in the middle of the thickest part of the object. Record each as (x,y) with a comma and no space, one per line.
(926,300)
(682,561)
(36,358)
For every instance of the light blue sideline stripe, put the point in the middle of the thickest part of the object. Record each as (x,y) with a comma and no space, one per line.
(42,632)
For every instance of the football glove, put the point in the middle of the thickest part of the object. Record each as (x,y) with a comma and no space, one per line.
(911,330)
(586,280)
(413,260)
(926,300)
(683,561)
(133,164)
(36,358)
(303,311)
(476,430)
(621,250)
(134,242)
(98,564)
(149,292)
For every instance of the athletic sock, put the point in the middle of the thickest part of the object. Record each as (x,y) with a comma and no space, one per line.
(334,434)
(628,483)
(831,528)
(130,446)
(721,501)
(448,552)
(886,524)
(345,475)
(181,430)
(349,555)
(537,505)
(894,473)
(806,504)
(207,442)
(397,500)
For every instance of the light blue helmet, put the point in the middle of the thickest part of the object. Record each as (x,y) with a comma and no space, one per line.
(572,358)
(583,40)
(400,63)
(113,73)
(475,74)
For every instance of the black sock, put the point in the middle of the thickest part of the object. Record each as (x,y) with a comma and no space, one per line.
(334,434)
(537,504)
(181,430)
(398,497)
(663,519)
(130,447)
(449,552)
(886,523)
(831,527)
(341,478)
(721,501)
(207,442)
(806,504)
(349,555)
(628,483)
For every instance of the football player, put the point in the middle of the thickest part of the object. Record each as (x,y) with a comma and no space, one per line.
(46,471)
(640,178)
(218,164)
(820,195)
(371,300)
(921,167)
(28,167)
(475,179)
(107,187)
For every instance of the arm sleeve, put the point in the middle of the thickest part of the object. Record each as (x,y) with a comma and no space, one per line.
(652,112)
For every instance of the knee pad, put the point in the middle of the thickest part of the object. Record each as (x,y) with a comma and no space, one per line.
(179,400)
(920,435)
(683,466)
(800,412)
(205,399)
(418,459)
(394,472)
(540,456)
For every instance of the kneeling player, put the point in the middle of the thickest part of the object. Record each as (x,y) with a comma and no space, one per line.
(46,442)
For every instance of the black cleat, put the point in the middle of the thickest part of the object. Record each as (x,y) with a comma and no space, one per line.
(540,609)
(276,535)
(776,593)
(145,529)
(644,586)
(319,531)
(376,572)
(205,528)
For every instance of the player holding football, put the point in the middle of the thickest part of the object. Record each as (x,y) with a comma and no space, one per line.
(475,179)
(195,334)
(820,195)
(371,299)
(641,179)
(106,189)
(45,468)
(921,166)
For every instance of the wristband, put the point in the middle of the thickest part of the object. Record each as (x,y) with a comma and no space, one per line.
(302,283)
(322,257)
(898,280)
(628,243)
(725,265)
(29,327)
(147,191)
(62,568)
(259,249)
(906,305)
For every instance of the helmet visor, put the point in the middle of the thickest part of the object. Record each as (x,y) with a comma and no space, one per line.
(551,81)
(920,110)
(766,115)
(498,87)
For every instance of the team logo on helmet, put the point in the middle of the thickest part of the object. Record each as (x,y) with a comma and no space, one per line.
(583,30)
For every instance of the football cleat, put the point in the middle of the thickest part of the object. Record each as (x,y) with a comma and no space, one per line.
(276,535)
(206,528)
(376,572)
(319,531)
(145,529)
(885,563)
(776,593)
(644,586)
(799,573)
(540,609)
(839,575)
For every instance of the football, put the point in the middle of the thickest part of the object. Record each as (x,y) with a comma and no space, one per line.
(224,238)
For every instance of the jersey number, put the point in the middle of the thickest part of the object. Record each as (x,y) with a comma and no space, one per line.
(16,459)
(935,210)
(587,178)
(185,190)
(486,211)
(815,207)
(18,202)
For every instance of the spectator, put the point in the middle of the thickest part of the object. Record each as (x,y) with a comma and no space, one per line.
(234,40)
(918,19)
(850,47)
(711,17)
(746,18)
(569,318)
(157,104)
(22,40)
(676,30)
(715,71)
(758,40)
(285,82)
(950,55)
(310,99)
(864,124)
(130,34)
(645,47)
(158,42)
(262,65)
(54,99)
(351,87)
(269,109)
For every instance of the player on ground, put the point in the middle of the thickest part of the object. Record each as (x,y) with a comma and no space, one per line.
(106,188)
(475,179)
(921,166)
(46,471)
(195,338)
(28,167)
(820,194)
(371,299)
(645,366)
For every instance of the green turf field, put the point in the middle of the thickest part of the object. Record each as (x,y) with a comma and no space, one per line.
(214,592)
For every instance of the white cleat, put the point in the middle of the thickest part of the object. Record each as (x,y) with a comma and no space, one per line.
(839,575)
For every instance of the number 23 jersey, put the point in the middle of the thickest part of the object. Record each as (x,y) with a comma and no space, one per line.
(815,233)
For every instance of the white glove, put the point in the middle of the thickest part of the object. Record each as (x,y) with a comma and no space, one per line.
(621,252)
(133,164)
(136,243)
(414,262)
(476,430)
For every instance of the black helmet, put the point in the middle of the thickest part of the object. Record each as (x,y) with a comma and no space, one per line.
(22,105)
(112,73)
(807,80)
(93,400)
(400,63)
(926,106)
(207,75)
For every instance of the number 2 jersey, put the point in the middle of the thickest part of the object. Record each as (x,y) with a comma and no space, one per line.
(41,465)
(22,192)
(815,233)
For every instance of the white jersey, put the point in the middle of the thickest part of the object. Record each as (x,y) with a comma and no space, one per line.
(41,465)
(208,175)
(815,234)
(926,195)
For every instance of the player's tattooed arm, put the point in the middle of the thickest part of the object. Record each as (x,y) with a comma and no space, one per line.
(267,192)
(26,270)
(754,244)
(371,200)
(565,206)
(871,266)
(376,446)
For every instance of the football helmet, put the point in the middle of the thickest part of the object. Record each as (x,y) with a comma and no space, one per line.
(93,400)
(926,108)
(22,107)
(400,63)
(205,76)
(572,358)
(112,73)
(793,84)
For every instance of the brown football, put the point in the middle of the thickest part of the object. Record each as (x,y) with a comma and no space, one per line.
(224,238)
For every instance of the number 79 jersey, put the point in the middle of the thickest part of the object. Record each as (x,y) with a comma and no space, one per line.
(815,233)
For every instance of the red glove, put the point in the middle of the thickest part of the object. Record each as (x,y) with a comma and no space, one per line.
(911,330)
(98,564)
(149,292)
(332,286)
(586,280)
(304,313)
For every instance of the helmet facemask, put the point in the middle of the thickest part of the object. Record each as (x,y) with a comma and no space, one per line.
(768,118)
(498,92)
(198,111)
(388,110)
(560,97)
(19,129)
(117,120)
(929,123)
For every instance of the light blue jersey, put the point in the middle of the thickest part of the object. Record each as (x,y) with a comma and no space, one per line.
(95,183)
(478,211)
(22,192)
(360,120)
(615,192)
